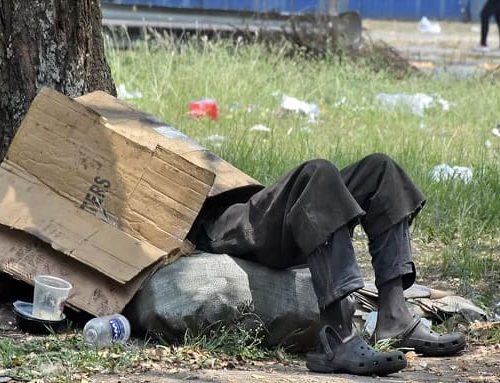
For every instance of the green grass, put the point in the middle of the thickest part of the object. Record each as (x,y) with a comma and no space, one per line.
(65,358)
(464,218)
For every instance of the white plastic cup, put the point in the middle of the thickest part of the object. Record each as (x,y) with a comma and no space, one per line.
(49,297)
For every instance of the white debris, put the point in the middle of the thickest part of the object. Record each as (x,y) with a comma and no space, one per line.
(371,323)
(124,94)
(445,172)
(427,26)
(260,128)
(418,103)
(340,102)
(216,140)
(496,131)
(289,131)
(488,144)
(295,105)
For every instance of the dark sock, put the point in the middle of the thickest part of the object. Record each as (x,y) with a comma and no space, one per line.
(394,318)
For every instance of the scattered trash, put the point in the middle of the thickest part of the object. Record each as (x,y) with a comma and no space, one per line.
(340,102)
(216,140)
(427,26)
(49,297)
(496,131)
(417,103)
(488,144)
(204,108)
(26,321)
(445,172)
(260,128)
(295,105)
(496,312)
(106,331)
(124,94)
(454,304)
(371,323)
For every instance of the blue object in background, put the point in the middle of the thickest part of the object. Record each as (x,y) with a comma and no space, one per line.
(475,9)
(457,10)
(409,9)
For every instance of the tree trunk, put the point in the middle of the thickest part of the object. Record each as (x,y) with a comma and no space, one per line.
(54,43)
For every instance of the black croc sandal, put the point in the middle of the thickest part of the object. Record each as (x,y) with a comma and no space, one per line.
(429,343)
(352,355)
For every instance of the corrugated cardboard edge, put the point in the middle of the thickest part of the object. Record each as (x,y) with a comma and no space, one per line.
(28,205)
(23,256)
(58,144)
(227,176)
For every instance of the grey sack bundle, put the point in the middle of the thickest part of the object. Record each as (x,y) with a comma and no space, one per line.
(198,291)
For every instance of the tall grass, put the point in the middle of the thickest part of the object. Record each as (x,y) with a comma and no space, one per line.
(247,81)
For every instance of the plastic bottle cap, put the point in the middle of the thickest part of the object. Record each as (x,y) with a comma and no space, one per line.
(91,336)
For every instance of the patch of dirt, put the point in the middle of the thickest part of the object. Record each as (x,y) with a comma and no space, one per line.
(477,365)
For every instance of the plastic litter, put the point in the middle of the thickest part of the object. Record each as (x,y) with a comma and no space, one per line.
(33,325)
(427,26)
(445,172)
(260,128)
(49,297)
(124,94)
(106,331)
(417,103)
(204,108)
(295,105)
(216,140)
(496,131)
(496,312)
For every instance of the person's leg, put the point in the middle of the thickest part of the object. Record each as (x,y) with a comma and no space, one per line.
(335,258)
(497,19)
(302,219)
(391,201)
(487,11)
(281,225)
(395,271)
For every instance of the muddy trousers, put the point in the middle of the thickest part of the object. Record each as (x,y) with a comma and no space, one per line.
(308,216)
(491,8)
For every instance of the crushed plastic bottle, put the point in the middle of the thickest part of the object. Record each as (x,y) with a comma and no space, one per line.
(106,331)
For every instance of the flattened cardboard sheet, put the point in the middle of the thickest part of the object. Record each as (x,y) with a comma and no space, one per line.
(23,256)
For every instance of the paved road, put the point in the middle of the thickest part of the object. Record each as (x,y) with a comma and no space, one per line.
(453,47)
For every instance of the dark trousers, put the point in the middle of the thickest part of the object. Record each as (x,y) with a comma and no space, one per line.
(311,207)
(491,8)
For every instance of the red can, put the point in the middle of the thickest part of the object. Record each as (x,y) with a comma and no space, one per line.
(204,108)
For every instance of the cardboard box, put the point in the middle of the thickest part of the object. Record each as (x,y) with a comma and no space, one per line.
(24,256)
(99,187)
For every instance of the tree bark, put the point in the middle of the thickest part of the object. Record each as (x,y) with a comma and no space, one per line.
(54,43)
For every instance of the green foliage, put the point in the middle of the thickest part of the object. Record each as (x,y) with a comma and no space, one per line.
(59,358)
